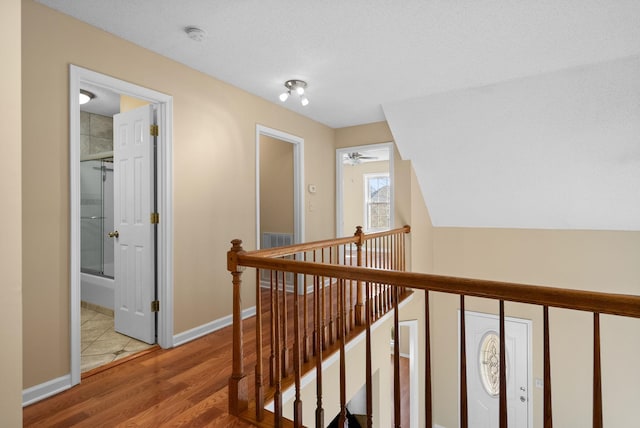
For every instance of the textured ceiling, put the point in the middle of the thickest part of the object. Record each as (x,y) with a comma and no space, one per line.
(415,58)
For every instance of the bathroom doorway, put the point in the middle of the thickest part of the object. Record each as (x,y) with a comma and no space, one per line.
(97,282)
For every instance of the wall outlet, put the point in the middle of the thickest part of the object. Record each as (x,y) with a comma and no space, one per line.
(539,383)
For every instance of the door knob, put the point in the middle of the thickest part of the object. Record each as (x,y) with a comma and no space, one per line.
(523,399)
(113,234)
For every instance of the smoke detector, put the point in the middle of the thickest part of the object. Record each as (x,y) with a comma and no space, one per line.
(195,33)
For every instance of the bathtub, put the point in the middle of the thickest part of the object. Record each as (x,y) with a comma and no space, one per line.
(98,290)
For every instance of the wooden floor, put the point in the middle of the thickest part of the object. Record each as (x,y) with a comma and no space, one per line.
(183,386)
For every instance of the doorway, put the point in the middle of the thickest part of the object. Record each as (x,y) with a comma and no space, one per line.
(273,146)
(364,188)
(483,358)
(279,190)
(107,86)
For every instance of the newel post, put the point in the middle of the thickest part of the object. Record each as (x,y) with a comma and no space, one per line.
(238,387)
(360,313)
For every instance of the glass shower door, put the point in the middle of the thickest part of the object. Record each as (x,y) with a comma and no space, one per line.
(96,214)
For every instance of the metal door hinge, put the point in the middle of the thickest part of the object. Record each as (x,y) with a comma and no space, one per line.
(155,306)
(154,130)
(155,218)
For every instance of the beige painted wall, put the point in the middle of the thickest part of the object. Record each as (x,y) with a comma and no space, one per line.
(214,177)
(10,216)
(276,186)
(590,260)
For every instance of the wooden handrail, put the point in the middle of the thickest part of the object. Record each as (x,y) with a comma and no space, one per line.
(380,279)
(288,250)
(590,301)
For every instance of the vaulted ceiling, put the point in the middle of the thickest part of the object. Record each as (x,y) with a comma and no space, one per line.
(515,114)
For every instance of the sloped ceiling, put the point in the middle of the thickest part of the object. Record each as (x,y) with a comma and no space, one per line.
(558,150)
(515,113)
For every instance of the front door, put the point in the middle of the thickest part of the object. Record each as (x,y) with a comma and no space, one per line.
(483,357)
(134,230)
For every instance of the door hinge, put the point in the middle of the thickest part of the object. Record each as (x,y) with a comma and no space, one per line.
(155,218)
(154,130)
(155,306)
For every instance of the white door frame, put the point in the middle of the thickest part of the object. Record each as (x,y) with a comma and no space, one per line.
(77,76)
(414,391)
(529,325)
(339,187)
(298,180)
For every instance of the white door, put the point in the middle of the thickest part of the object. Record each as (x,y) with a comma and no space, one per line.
(483,358)
(133,205)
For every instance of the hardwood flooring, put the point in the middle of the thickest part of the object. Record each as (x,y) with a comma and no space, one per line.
(184,386)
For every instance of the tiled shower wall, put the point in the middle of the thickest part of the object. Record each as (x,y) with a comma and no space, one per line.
(96,136)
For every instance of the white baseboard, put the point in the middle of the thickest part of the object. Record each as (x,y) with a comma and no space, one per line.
(44,390)
(210,327)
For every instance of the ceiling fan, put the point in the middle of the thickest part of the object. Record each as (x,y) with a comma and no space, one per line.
(355,158)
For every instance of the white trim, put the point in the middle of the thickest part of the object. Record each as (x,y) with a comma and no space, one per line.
(210,327)
(298,183)
(414,391)
(47,389)
(339,190)
(77,75)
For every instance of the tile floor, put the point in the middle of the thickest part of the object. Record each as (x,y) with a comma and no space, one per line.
(100,343)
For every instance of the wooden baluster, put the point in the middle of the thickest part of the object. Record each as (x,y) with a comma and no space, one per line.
(238,386)
(285,329)
(272,327)
(277,396)
(396,359)
(464,422)
(351,304)
(305,337)
(597,381)
(259,391)
(503,370)
(427,363)
(319,339)
(332,325)
(548,419)
(359,315)
(316,305)
(323,332)
(297,404)
(343,378)
(368,367)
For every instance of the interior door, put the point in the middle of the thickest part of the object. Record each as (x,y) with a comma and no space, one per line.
(134,230)
(483,357)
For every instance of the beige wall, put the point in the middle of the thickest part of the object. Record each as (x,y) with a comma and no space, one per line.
(590,260)
(214,177)
(276,186)
(10,217)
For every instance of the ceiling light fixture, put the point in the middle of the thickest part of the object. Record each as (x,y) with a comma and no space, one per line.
(297,86)
(85,96)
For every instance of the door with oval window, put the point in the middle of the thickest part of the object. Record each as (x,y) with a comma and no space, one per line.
(483,361)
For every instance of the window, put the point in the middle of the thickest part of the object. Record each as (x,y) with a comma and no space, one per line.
(377,194)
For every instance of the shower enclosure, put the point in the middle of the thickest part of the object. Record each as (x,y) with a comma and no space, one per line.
(96,213)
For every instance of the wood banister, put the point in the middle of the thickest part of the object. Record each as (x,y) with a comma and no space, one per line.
(590,301)
(503,369)
(548,418)
(464,419)
(347,295)
(597,371)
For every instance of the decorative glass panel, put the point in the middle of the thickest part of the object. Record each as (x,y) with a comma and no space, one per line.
(489,359)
